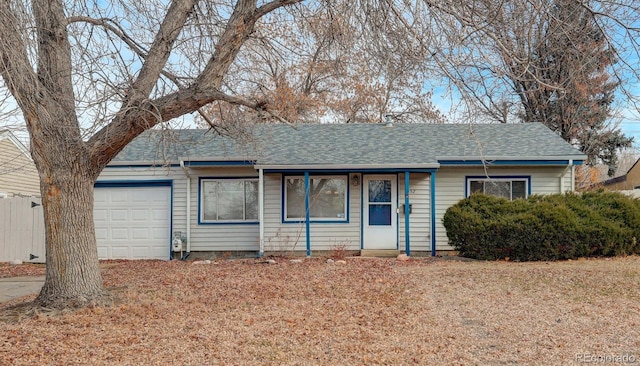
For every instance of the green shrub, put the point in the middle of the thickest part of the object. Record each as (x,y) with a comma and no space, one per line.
(550,227)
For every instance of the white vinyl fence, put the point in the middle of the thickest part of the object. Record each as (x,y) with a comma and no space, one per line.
(635,193)
(21,230)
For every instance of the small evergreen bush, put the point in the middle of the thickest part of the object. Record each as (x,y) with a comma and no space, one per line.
(549,227)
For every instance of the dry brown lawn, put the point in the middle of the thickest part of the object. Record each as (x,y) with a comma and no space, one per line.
(368,311)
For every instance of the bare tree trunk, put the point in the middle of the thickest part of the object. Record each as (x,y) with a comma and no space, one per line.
(73,274)
(66,184)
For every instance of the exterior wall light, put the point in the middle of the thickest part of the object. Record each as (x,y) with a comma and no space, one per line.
(355,180)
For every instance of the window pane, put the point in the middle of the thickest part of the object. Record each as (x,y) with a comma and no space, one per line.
(209,201)
(379,214)
(476,186)
(295,198)
(380,190)
(518,188)
(251,200)
(328,198)
(498,188)
(230,200)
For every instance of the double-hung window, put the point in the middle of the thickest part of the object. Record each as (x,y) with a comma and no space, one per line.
(228,200)
(509,188)
(327,198)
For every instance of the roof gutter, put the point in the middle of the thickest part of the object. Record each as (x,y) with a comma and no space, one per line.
(349,167)
(218,158)
(502,157)
(143,163)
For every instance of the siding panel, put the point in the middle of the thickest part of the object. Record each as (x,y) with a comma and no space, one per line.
(281,236)
(420,218)
(218,237)
(18,174)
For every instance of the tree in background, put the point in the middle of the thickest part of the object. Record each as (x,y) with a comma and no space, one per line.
(332,64)
(574,89)
(549,61)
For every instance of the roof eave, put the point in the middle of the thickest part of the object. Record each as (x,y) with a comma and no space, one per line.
(142,163)
(19,145)
(559,160)
(511,157)
(218,158)
(344,167)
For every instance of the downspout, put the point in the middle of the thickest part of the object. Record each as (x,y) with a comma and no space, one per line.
(306,210)
(406,213)
(433,213)
(261,210)
(573,176)
(571,167)
(186,173)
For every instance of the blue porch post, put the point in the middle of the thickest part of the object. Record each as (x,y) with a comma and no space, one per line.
(306,210)
(406,213)
(433,213)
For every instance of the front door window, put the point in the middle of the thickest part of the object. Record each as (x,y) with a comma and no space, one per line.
(380,202)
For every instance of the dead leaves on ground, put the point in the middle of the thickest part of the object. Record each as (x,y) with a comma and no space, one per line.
(21,270)
(378,311)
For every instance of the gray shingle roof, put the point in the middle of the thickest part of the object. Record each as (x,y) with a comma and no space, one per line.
(354,144)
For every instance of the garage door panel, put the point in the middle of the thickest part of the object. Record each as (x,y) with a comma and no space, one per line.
(119,215)
(142,252)
(143,196)
(158,214)
(100,196)
(119,234)
(119,196)
(140,215)
(158,233)
(101,234)
(141,233)
(103,252)
(120,252)
(100,215)
(133,222)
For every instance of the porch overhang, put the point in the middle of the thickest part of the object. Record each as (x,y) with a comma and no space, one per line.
(363,168)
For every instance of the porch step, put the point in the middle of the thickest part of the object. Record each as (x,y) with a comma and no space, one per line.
(383,253)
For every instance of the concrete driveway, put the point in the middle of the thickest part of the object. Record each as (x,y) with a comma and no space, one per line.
(14,287)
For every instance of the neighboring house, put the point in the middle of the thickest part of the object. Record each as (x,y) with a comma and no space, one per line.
(18,174)
(316,187)
(629,181)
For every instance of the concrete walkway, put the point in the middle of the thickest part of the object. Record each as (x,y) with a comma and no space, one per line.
(14,287)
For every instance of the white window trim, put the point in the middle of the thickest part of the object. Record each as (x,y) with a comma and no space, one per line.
(311,218)
(500,179)
(244,213)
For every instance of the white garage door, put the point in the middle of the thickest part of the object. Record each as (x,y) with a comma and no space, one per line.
(133,222)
